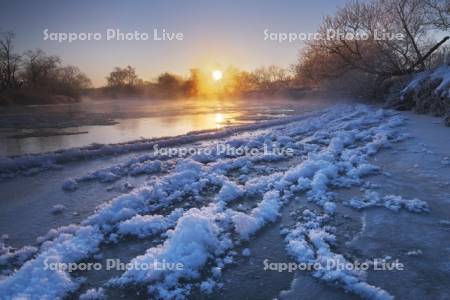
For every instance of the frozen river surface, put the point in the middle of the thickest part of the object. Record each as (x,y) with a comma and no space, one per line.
(361,185)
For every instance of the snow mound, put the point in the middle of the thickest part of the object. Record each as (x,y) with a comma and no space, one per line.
(427,92)
(229,192)
(195,239)
(309,242)
(441,75)
(39,277)
(143,226)
(266,211)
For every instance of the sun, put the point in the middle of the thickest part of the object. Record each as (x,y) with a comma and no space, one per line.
(217,75)
(219,118)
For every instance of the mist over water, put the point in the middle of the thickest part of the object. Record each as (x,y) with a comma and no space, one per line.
(37,129)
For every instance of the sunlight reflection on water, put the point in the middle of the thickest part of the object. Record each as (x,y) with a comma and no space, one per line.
(136,120)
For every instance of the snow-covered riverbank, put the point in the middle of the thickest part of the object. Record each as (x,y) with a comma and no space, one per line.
(360,184)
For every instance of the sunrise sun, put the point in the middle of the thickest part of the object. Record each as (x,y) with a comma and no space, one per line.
(216,75)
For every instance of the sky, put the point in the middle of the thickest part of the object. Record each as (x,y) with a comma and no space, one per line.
(215,33)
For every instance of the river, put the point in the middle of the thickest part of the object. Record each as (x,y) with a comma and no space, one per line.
(38,129)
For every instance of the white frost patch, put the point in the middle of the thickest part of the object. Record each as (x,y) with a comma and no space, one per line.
(441,74)
(143,226)
(246,252)
(121,208)
(133,167)
(11,256)
(229,192)
(54,233)
(414,252)
(195,239)
(266,211)
(93,294)
(207,286)
(148,167)
(34,278)
(58,209)
(187,179)
(309,242)
(392,202)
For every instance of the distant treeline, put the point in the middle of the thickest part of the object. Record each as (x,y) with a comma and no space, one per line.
(199,83)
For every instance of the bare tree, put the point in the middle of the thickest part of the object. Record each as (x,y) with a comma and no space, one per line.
(40,70)
(34,76)
(44,73)
(364,37)
(438,13)
(122,78)
(9,61)
(71,81)
(271,77)
(170,85)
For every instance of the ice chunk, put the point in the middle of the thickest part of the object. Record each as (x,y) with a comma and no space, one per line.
(229,192)
(143,226)
(58,209)
(246,252)
(93,294)
(70,185)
